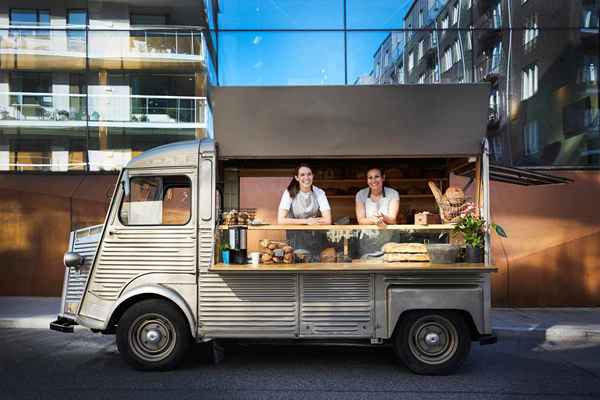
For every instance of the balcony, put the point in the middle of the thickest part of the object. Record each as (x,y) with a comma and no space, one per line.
(489,68)
(32,48)
(66,48)
(146,49)
(20,109)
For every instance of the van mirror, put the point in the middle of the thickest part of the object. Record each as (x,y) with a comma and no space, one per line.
(73,260)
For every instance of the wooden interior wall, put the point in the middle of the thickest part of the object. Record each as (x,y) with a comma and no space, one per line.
(37,213)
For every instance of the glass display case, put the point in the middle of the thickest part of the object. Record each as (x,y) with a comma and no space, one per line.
(335,246)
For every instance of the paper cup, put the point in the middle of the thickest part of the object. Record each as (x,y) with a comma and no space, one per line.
(255,258)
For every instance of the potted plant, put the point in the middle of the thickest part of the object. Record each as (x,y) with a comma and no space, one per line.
(473,228)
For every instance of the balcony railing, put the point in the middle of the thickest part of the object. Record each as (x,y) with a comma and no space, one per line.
(54,109)
(147,45)
(489,68)
(130,49)
(22,47)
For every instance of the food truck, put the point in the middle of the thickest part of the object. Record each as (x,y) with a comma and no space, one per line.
(152,275)
(154,272)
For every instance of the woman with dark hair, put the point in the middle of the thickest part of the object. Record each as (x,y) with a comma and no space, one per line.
(377,204)
(302,202)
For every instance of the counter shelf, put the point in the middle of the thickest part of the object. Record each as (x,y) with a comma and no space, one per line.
(423,228)
(355,266)
(337,247)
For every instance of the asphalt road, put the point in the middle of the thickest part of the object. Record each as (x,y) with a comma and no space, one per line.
(40,364)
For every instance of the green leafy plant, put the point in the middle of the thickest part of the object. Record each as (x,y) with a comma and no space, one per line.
(474,228)
(224,246)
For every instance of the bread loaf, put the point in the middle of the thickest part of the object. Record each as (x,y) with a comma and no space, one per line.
(400,257)
(392,247)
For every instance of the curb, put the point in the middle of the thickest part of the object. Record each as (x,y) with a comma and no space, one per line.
(556,333)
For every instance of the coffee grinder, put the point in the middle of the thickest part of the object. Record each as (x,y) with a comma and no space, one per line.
(237,244)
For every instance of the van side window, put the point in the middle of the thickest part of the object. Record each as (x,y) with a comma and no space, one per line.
(154,200)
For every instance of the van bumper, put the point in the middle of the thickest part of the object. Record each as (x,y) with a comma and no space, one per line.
(63,324)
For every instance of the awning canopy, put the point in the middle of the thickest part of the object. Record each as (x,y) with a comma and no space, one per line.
(518,176)
(350,121)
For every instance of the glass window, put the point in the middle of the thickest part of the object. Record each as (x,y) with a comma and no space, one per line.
(455,14)
(457,53)
(411,61)
(77,17)
(30,17)
(282,14)
(447,60)
(153,200)
(281,58)
(531,138)
(375,14)
(529,81)
(531,30)
(445,22)
(364,49)
(421,46)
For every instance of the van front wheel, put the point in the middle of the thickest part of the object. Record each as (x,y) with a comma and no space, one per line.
(433,342)
(153,335)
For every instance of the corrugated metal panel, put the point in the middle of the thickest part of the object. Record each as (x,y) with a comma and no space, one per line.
(85,243)
(336,305)
(205,247)
(435,279)
(128,253)
(248,305)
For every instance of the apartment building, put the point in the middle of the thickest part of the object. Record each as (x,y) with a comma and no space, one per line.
(541,58)
(86,85)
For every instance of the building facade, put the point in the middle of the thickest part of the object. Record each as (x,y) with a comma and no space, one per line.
(540,58)
(84,87)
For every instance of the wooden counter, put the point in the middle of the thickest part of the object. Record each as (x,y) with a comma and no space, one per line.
(358,266)
(425,228)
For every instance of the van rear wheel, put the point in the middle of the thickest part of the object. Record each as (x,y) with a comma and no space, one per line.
(153,335)
(433,342)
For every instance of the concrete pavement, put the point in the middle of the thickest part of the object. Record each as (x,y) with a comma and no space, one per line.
(551,324)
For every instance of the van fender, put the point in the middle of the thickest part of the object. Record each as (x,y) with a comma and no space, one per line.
(467,299)
(154,290)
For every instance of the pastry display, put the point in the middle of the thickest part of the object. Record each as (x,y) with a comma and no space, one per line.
(276,252)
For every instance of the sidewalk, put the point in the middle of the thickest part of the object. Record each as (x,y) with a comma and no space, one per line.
(552,324)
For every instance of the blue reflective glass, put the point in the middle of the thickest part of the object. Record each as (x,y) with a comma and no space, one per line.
(281,14)
(376,14)
(364,50)
(281,58)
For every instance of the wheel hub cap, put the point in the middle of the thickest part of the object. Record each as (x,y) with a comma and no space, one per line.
(432,339)
(153,336)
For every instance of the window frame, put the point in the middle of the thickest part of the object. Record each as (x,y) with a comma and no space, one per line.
(130,177)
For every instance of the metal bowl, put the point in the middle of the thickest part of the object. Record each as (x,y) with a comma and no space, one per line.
(443,253)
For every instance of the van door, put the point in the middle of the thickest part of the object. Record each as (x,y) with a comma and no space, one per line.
(151,234)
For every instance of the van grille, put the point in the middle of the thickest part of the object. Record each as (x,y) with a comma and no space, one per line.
(85,243)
